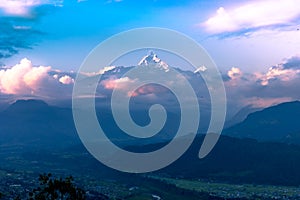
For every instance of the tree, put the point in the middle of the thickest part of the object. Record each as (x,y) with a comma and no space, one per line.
(56,189)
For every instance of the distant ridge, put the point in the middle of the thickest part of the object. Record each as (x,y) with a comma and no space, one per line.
(34,122)
(277,123)
(30,104)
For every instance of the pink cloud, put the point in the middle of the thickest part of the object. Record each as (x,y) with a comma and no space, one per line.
(26,79)
(120,83)
(124,83)
(66,80)
(262,89)
(259,102)
(278,72)
(22,78)
(146,90)
(235,73)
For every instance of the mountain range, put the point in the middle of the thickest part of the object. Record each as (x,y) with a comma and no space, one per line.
(47,134)
(34,122)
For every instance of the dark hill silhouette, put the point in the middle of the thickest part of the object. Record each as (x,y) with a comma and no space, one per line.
(277,123)
(33,122)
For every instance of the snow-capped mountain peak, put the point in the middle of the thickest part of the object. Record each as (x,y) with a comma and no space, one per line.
(152,60)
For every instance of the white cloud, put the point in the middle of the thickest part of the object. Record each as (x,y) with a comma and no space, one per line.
(254,14)
(66,80)
(278,84)
(35,75)
(22,27)
(105,69)
(55,76)
(22,78)
(278,73)
(26,79)
(23,7)
(100,72)
(20,7)
(283,72)
(235,73)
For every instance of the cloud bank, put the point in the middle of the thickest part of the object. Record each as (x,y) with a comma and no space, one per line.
(25,79)
(22,78)
(278,84)
(252,16)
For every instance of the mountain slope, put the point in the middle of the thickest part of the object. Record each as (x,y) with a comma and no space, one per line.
(276,123)
(36,123)
(33,122)
(241,115)
(241,161)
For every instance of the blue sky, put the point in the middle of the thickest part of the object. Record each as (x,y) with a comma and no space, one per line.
(250,41)
(82,25)
(70,29)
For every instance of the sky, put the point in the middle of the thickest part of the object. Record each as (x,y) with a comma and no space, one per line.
(255,44)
